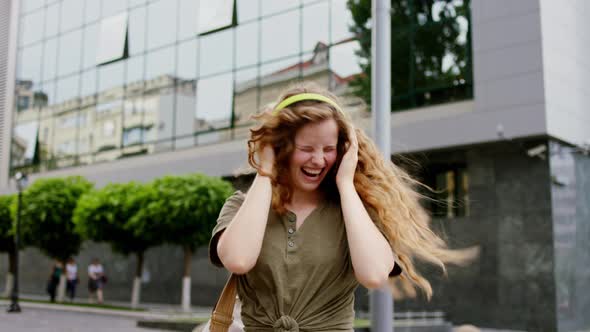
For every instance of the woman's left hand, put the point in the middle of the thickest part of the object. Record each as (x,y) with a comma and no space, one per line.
(349,161)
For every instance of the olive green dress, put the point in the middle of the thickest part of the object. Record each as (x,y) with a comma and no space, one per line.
(303,279)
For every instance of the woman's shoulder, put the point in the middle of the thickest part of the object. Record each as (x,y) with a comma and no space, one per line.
(235,200)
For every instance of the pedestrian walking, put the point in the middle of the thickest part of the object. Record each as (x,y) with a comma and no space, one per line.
(53,280)
(96,280)
(71,278)
(325,213)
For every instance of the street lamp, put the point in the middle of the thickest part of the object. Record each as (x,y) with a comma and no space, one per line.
(21,183)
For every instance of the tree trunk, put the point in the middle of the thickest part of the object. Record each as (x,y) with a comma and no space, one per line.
(11,272)
(136,292)
(186,280)
(12,261)
(8,285)
(61,288)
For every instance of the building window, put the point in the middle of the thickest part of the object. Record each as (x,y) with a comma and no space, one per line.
(112,43)
(108,129)
(23,103)
(137,135)
(24,144)
(215,15)
(451,191)
(431,60)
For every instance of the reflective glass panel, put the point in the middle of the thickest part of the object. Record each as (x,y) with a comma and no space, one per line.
(50,59)
(280,30)
(112,7)
(341,21)
(29,5)
(107,128)
(92,10)
(52,20)
(160,63)
(247,10)
(24,143)
(46,132)
(159,110)
(247,44)
(185,115)
(111,76)
(315,25)
(134,3)
(32,27)
(246,99)
(90,45)
(214,108)
(214,102)
(273,6)
(67,88)
(112,38)
(30,63)
(135,69)
(216,52)
(69,53)
(215,14)
(187,60)
(344,62)
(72,12)
(65,136)
(48,93)
(161,23)
(187,19)
(276,76)
(137,27)
(88,83)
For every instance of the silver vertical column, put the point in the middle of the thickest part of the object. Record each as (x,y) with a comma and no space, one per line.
(381,300)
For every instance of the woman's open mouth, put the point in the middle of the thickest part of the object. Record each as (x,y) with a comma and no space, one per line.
(312,173)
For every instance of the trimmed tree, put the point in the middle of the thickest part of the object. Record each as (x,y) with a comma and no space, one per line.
(184,209)
(104,216)
(46,218)
(7,240)
(430,58)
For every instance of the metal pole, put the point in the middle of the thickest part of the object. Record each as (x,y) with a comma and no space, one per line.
(381,300)
(14,307)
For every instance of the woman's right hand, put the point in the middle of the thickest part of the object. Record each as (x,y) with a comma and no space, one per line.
(267,159)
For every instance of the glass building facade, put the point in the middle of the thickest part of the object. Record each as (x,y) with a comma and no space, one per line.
(104,80)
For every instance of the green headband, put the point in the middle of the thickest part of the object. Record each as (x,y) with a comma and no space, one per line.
(305,96)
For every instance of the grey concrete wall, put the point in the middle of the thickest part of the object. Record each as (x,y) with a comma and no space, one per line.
(571,222)
(511,285)
(162,277)
(566,66)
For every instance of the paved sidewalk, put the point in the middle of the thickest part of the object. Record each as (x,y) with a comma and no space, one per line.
(44,320)
(151,310)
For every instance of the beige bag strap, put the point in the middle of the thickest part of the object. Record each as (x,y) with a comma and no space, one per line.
(222,316)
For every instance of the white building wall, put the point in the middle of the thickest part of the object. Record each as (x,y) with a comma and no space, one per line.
(8,37)
(566,64)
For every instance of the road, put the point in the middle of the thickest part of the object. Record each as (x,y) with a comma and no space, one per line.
(47,320)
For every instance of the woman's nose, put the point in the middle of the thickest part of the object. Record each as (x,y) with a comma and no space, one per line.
(318,157)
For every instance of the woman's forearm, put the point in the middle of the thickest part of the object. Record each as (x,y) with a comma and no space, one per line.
(371,254)
(239,245)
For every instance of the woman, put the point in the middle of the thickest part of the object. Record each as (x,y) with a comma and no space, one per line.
(71,278)
(53,281)
(325,212)
(96,279)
